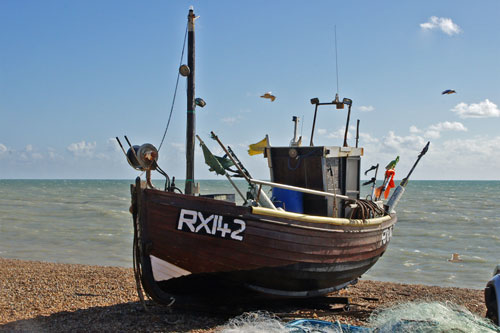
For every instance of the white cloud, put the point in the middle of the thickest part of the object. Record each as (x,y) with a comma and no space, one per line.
(478,146)
(233,120)
(453,158)
(229,120)
(448,126)
(67,161)
(366,138)
(339,133)
(414,129)
(449,159)
(31,154)
(445,24)
(53,154)
(366,108)
(82,148)
(180,147)
(403,143)
(484,109)
(471,158)
(112,145)
(434,131)
(386,148)
(432,134)
(321,131)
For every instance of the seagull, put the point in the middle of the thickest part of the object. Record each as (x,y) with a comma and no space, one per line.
(269,95)
(448,92)
(455,258)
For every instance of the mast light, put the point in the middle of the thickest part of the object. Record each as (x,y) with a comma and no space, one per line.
(200,102)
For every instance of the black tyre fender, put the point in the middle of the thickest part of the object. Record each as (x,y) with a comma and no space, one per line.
(490,298)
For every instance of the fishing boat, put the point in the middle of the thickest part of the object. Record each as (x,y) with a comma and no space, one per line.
(313,235)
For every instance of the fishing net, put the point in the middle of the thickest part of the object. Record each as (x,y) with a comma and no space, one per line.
(429,317)
(264,322)
(408,317)
(255,322)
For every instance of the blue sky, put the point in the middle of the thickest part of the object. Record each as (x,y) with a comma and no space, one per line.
(75,74)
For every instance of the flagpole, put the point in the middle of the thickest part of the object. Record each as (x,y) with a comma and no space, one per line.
(398,192)
(191,116)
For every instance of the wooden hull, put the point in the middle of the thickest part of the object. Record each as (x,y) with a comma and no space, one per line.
(185,238)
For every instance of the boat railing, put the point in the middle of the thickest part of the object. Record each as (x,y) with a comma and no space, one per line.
(299,189)
(363,209)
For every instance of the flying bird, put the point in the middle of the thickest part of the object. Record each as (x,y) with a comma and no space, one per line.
(448,92)
(269,95)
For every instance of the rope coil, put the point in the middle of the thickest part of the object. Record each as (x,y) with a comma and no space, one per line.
(365,209)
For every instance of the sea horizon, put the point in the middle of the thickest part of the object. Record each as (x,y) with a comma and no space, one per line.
(220,178)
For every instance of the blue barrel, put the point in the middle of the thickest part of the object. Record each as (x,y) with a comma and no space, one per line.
(289,200)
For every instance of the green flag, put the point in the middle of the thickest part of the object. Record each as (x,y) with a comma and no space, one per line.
(216,163)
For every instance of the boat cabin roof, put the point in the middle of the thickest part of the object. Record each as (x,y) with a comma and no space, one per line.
(325,151)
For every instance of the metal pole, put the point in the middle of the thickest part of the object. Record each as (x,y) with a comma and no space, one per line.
(404,182)
(314,124)
(347,126)
(300,189)
(242,172)
(191,116)
(357,133)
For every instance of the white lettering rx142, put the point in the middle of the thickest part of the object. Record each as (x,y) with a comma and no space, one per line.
(386,235)
(214,225)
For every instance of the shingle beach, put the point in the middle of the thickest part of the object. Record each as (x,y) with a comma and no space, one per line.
(51,297)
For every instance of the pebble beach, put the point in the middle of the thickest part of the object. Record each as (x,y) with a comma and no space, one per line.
(51,297)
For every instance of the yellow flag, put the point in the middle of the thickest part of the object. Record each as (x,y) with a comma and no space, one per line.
(258,148)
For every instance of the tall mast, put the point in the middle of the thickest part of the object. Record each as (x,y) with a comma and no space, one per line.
(191,116)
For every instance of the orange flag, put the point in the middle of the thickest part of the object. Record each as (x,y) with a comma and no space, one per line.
(389,174)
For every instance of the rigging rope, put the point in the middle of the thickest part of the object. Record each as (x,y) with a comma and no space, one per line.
(175,92)
(136,250)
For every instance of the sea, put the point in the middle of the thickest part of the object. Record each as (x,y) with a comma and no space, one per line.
(88,222)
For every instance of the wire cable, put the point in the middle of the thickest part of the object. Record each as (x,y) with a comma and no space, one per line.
(175,92)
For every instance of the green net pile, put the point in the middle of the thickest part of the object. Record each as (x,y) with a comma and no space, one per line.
(421,317)
(429,317)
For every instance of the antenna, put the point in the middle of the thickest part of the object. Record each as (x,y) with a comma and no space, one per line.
(336,60)
(302,125)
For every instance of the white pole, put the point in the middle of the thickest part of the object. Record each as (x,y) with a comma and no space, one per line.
(300,189)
